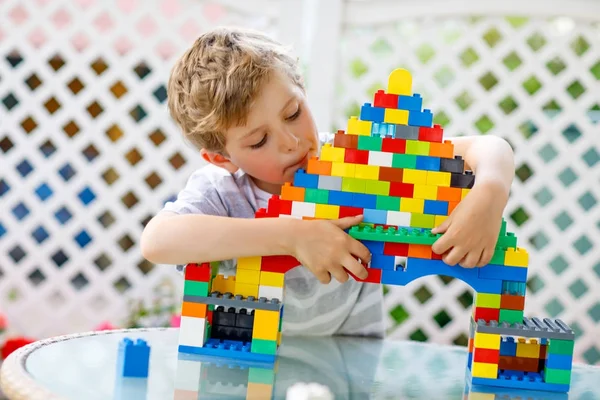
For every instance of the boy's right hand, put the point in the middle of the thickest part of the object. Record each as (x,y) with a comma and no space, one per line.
(325,249)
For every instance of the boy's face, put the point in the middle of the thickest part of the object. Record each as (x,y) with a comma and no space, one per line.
(280,136)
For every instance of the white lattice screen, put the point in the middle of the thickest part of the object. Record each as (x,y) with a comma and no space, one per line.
(88,153)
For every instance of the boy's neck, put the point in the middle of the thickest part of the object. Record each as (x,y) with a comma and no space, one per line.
(272,188)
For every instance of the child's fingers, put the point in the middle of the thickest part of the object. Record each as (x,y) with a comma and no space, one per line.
(441,228)
(471,259)
(355,267)
(339,274)
(441,245)
(454,256)
(486,257)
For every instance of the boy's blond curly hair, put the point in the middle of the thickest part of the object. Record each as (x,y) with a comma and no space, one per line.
(213,84)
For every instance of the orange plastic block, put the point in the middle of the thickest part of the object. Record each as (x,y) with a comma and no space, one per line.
(445,193)
(293,193)
(451,206)
(195,310)
(419,251)
(318,167)
(257,391)
(443,150)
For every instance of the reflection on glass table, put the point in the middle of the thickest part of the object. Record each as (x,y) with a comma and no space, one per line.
(352,368)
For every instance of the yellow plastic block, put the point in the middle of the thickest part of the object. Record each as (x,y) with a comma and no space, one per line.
(381,188)
(400,82)
(528,350)
(464,192)
(358,127)
(278,338)
(330,153)
(395,116)
(480,396)
(425,192)
(516,258)
(366,171)
(437,178)
(487,300)
(439,219)
(484,370)
(343,169)
(417,148)
(412,205)
(249,276)
(487,341)
(223,285)
(271,278)
(266,325)
(327,211)
(415,176)
(246,289)
(249,263)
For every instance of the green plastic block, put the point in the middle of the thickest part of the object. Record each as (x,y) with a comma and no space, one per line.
(194,288)
(503,228)
(422,221)
(408,161)
(372,143)
(388,203)
(354,185)
(264,346)
(261,375)
(381,188)
(487,300)
(511,316)
(560,376)
(417,147)
(498,257)
(317,196)
(506,241)
(561,346)
(402,235)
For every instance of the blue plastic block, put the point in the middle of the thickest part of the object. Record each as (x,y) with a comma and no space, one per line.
(339,198)
(417,268)
(518,384)
(302,179)
(410,103)
(559,361)
(436,207)
(428,163)
(362,200)
(515,288)
(133,359)
(374,247)
(370,113)
(372,216)
(420,118)
(508,347)
(228,349)
(383,129)
(469,360)
(514,274)
(381,261)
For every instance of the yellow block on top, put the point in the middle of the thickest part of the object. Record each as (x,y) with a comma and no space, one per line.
(266,325)
(327,211)
(400,82)
(358,127)
(249,263)
(249,276)
(487,341)
(528,350)
(516,258)
(394,116)
(330,153)
(223,285)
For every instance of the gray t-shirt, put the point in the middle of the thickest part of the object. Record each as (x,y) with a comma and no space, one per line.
(311,308)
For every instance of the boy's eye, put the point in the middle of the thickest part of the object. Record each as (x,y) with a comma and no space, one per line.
(294,115)
(261,143)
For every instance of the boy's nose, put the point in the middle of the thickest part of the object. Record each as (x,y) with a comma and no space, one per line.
(290,142)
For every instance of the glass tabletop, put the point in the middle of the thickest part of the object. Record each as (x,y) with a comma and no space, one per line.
(352,368)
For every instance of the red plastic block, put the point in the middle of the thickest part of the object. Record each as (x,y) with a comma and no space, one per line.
(486,356)
(373,277)
(435,256)
(198,272)
(346,211)
(395,249)
(398,189)
(277,206)
(543,349)
(487,314)
(355,156)
(383,99)
(346,141)
(434,134)
(261,213)
(512,302)
(390,174)
(209,317)
(393,145)
(280,264)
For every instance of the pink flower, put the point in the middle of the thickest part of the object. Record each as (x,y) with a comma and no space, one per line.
(175,321)
(105,326)
(2,322)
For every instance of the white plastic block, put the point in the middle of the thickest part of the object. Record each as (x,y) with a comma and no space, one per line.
(380,158)
(270,292)
(191,331)
(303,209)
(398,218)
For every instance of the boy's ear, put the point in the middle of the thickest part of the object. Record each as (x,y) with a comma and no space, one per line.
(219,160)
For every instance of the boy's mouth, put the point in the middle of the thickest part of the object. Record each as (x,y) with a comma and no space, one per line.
(302,162)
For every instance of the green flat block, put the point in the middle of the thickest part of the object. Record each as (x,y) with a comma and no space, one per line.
(194,288)
(402,235)
(408,161)
(561,346)
(388,203)
(264,346)
(381,188)
(372,143)
(560,376)
(317,196)
(417,147)
(422,221)
(261,375)
(354,185)
(511,316)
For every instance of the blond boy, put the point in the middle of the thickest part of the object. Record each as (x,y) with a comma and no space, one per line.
(238,97)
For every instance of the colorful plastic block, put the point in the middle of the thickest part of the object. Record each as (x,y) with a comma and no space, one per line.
(133,358)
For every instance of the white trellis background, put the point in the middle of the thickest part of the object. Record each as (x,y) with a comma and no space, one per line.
(88,153)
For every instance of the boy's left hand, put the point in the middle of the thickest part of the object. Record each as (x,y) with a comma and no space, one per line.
(470,233)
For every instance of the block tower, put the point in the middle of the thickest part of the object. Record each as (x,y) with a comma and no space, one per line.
(392,165)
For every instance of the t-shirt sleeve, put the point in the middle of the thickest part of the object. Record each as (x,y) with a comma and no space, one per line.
(199,196)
